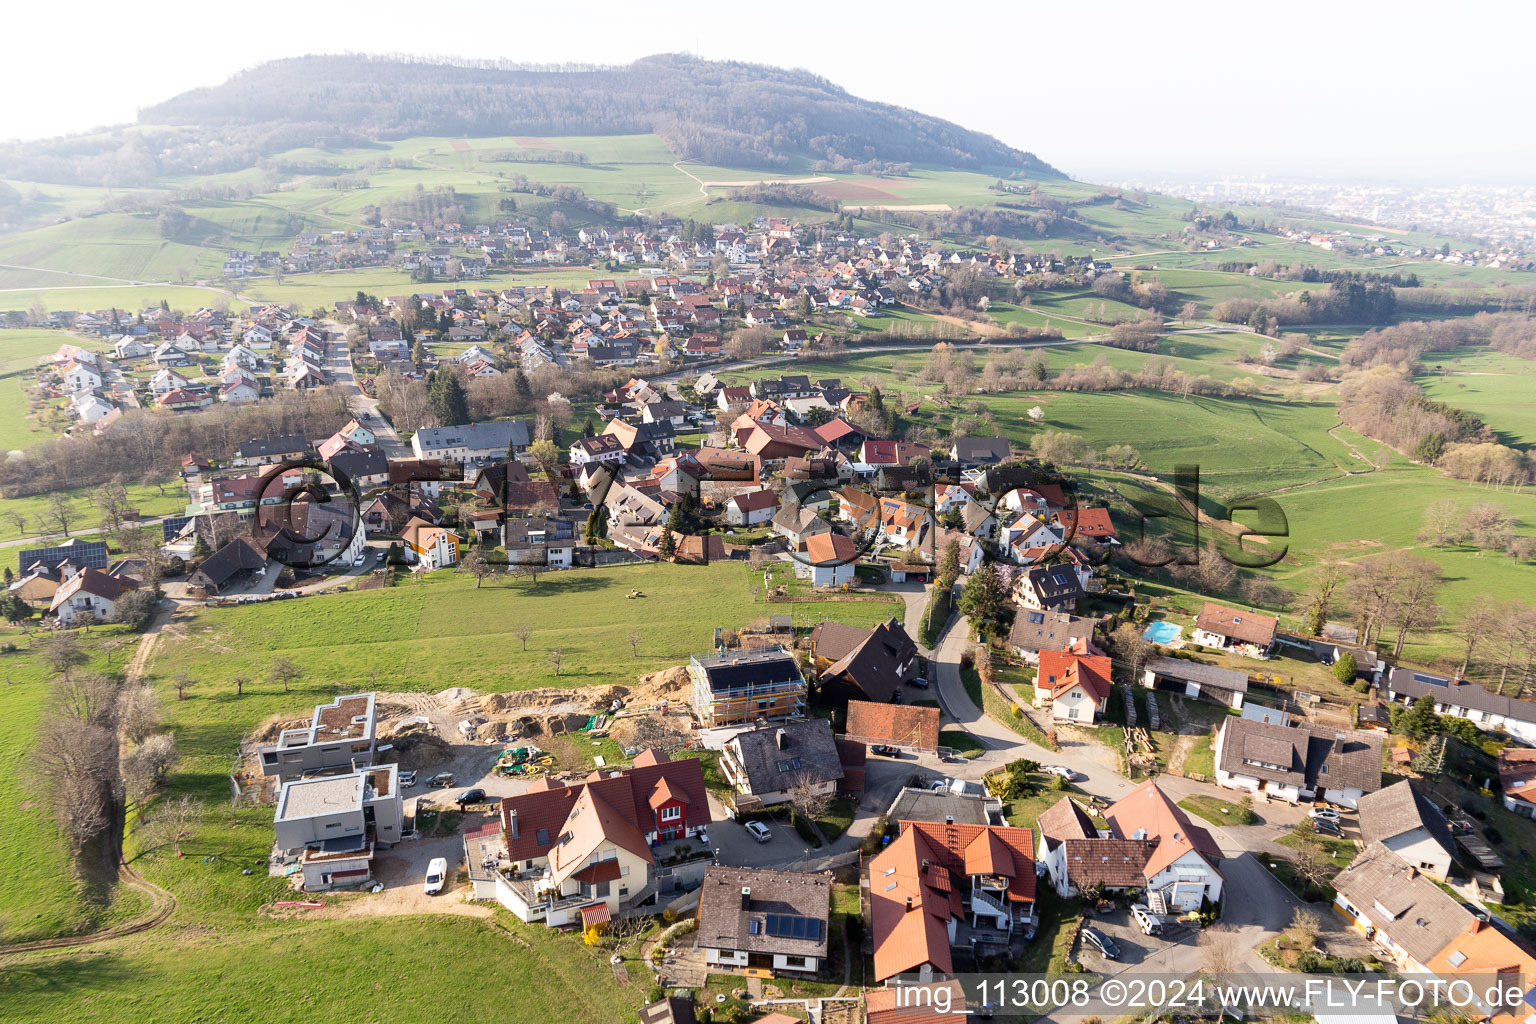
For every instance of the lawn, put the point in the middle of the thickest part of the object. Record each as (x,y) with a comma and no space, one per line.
(964,743)
(1219,812)
(837,818)
(34,511)
(1497,387)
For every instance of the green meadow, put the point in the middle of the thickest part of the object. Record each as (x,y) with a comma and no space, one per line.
(1497,387)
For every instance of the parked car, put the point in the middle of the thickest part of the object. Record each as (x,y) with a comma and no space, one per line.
(407,779)
(885,751)
(757,830)
(1062,770)
(437,875)
(702,838)
(1101,942)
(471,796)
(1150,923)
(1328,828)
(1324,814)
(442,780)
(920,682)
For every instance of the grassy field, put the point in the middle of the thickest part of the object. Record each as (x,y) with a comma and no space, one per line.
(1499,388)
(40,895)
(1218,812)
(279,971)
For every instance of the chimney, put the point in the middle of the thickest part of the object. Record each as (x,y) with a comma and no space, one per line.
(779,739)
(1338,742)
(512,822)
(949,819)
(746,897)
(909,902)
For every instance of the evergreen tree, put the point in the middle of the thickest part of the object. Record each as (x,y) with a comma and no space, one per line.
(949,568)
(876,400)
(985,596)
(588,428)
(1344,668)
(446,394)
(521,385)
(1420,719)
(666,547)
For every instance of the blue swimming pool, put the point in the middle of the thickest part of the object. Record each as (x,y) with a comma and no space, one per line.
(1163,632)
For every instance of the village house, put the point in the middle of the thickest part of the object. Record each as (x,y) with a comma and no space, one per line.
(89,596)
(1228,628)
(1409,824)
(1036,631)
(1298,763)
(935,878)
(1049,588)
(540,541)
(856,664)
(752,508)
(1074,685)
(767,764)
(469,442)
(1517,780)
(825,558)
(1458,698)
(578,853)
(1150,846)
(768,921)
(263,451)
(428,546)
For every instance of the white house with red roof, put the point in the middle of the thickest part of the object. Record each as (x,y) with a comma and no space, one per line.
(1182,869)
(579,852)
(1074,684)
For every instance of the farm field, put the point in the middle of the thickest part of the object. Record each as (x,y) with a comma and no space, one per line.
(147,499)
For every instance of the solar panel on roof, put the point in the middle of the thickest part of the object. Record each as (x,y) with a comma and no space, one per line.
(793,926)
(87,554)
(1429,680)
(1036,617)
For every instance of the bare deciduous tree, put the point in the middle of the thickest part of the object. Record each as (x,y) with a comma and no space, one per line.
(287,672)
(1303,929)
(556,655)
(523,631)
(138,712)
(183,682)
(1221,949)
(63,653)
(173,822)
(808,794)
(60,513)
(146,765)
(634,643)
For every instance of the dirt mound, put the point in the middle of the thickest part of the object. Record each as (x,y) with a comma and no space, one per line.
(665,683)
(417,746)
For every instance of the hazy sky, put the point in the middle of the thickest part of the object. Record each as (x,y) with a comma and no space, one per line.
(1391,91)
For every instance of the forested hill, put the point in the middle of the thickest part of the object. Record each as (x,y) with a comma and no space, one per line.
(723,113)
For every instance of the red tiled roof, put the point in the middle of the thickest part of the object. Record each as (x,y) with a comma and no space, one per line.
(1147,809)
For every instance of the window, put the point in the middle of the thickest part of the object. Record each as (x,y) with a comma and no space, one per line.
(543,837)
(671,813)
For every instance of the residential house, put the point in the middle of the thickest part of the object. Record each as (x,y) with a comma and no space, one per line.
(892,453)
(752,508)
(330,826)
(767,764)
(1036,631)
(737,687)
(1050,588)
(1075,685)
(906,727)
(1227,686)
(602,448)
(764,920)
(233,563)
(468,442)
(428,546)
(1182,873)
(261,451)
(1460,699)
(89,596)
(856,664)
(798,525)
(1297,763)
(1409,824)
(826,558)
(541,541)
(934,877)
(341,734)
(364,468)
(1402,910)
(37,587)
(1228,628)
(575,854)
(979,451)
